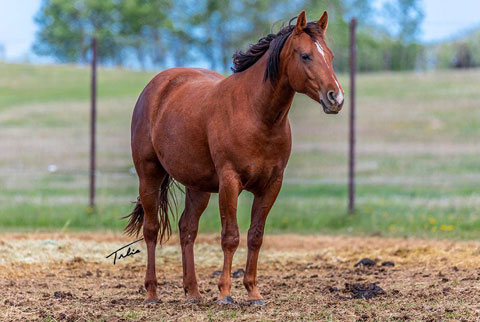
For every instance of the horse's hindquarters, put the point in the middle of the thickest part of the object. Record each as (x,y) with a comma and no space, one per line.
(178,130)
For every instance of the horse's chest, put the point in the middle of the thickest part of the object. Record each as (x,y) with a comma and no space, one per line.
(257,154)
(263,162)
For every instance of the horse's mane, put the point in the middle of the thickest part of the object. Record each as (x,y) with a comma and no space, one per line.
(243,60)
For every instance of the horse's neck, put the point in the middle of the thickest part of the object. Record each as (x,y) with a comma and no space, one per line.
(270,103)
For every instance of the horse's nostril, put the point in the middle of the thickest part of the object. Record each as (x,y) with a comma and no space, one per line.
(331,97)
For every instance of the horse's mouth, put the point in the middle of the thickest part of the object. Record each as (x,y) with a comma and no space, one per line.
(326,109)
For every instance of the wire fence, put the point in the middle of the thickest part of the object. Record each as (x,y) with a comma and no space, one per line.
(409,135)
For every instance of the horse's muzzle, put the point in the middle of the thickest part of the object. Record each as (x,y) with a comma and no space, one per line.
(326,109)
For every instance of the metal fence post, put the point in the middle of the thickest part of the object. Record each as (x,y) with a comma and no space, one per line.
(351,160)
(93,120)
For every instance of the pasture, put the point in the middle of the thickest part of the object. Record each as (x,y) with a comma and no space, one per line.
(417,143)
(417,176)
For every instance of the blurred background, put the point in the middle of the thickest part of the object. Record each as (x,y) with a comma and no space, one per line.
(418,115)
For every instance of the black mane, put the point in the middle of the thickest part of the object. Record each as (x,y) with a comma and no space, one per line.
(243,60)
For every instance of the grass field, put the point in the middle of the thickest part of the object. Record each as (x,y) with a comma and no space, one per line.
(417,164)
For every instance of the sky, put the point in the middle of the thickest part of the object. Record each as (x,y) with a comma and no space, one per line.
(443,19)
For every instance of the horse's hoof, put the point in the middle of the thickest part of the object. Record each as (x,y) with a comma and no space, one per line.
(151,301)
(226,300)
(256,302)
(193,300)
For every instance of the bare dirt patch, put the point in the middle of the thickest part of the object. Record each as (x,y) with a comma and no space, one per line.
(67,277)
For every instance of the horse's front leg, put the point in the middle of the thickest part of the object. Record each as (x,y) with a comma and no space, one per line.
(229,190)
(262,204)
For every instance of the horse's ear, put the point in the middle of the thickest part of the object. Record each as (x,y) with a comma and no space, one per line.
(323,22)
(301,21)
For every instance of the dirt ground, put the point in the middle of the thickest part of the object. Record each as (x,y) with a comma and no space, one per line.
(67,277)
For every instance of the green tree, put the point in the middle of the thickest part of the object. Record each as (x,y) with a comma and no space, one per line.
(225,26)
(404,18)
(362,10)
(66,29)
(121,27)
(142,25)
(61,34)
(167,33)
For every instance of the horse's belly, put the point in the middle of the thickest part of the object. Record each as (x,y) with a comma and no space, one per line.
(188,161)
(192,173)
(258,174)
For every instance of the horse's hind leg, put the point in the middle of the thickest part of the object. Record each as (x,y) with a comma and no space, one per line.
(262,204)
(229,189)
(195,204)
(151,174)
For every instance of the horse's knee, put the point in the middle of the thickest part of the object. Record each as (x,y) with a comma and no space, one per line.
(230,240)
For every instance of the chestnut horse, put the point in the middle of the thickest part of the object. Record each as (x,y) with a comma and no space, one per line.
(215,134)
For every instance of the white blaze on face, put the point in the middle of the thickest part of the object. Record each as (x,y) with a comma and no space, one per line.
(320,50)
(340,93)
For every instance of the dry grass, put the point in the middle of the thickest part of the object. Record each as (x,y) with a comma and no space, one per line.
(431,280)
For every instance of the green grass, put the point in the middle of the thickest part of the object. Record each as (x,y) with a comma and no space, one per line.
(387,210)
(23,84)
(417,160)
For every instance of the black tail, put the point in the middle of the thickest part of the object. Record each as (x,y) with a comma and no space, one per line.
(135,222)
(136,219)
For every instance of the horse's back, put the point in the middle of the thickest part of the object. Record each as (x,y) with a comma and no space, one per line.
(178,84)
(171,82)
(180,76)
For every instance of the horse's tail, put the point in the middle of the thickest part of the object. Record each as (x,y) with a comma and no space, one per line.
(135,222)
(164,206)
(136,219)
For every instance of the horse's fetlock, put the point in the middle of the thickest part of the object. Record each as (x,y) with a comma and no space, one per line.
(249,282)
(150,284)
(224,285)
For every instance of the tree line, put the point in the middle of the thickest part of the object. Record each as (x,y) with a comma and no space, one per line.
(461,52)
(166,33)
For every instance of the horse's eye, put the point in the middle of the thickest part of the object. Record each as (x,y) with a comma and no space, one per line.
(306,57)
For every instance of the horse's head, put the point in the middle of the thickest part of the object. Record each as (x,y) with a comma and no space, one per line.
(308,64)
